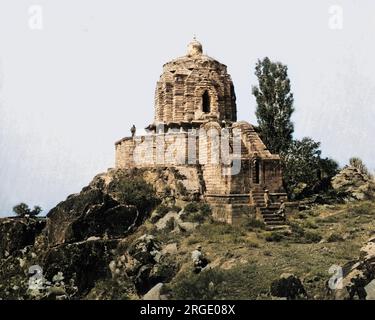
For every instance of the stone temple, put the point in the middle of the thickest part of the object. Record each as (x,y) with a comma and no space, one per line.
(196,131)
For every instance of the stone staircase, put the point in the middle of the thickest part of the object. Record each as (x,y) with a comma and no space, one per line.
(271,218)
(269,214)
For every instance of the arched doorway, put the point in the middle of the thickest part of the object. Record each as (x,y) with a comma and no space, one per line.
(206,103)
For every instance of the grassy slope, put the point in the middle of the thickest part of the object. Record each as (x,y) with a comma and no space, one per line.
(246,262)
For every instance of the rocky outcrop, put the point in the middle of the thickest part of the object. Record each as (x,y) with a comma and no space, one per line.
(89,213)
(357,281)
(354,184)
(83,263)
(17,233)
(145,264)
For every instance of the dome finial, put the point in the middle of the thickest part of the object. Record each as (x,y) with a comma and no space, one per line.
(195,48)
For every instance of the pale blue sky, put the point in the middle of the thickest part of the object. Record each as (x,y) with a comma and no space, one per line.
(70,90)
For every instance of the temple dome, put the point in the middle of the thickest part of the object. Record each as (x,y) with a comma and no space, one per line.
(194,87)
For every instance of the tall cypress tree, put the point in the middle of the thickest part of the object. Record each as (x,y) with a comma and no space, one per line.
(274,105)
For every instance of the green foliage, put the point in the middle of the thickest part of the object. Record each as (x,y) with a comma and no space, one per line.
(220,232)
(191,207)
(335,237)
(23,209)
(202,286)
(360,166)
(274,237)
(162,210)
(253,223)
(274,105)
(328,168)
(303,169)
(312,237)
(240,282)
(196,212)
(301,163)
(137,192)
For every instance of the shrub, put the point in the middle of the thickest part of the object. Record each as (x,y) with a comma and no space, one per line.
(205,209)
(310,224)
(197,217)
(162,210)
(196,212)
(274,237)
(191,207)
(312,237)
(202,286)
(23,209)
(137,192)
(364,208)
(334,237)
(238,283)
(296,229)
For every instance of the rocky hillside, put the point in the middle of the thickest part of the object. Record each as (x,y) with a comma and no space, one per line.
(130,234)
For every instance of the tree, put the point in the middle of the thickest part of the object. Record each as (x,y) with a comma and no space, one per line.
(303,166)
(301,163)
(23,209)
(274,105)
(328,168)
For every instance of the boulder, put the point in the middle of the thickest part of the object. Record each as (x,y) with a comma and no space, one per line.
(144,263)
(154,293)
(354,184)
(81,263)
(289,287)
(170,248)
(358,276)
(17,233)
(163,222)
(91,213)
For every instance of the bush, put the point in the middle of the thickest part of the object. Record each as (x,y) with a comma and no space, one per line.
(297,229)
(334,237)
(202,286)
(310,224)
(23,209)
(162,210)
(197,217)
(238,283)
(274,237)
(196,212)
(312,237)
(191,207)
(137,192)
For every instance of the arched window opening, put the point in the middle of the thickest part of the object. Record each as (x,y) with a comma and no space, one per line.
(206,102)
(257,172)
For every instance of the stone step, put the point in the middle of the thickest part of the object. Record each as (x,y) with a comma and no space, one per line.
(277,227)
(273,223)
(271,216)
